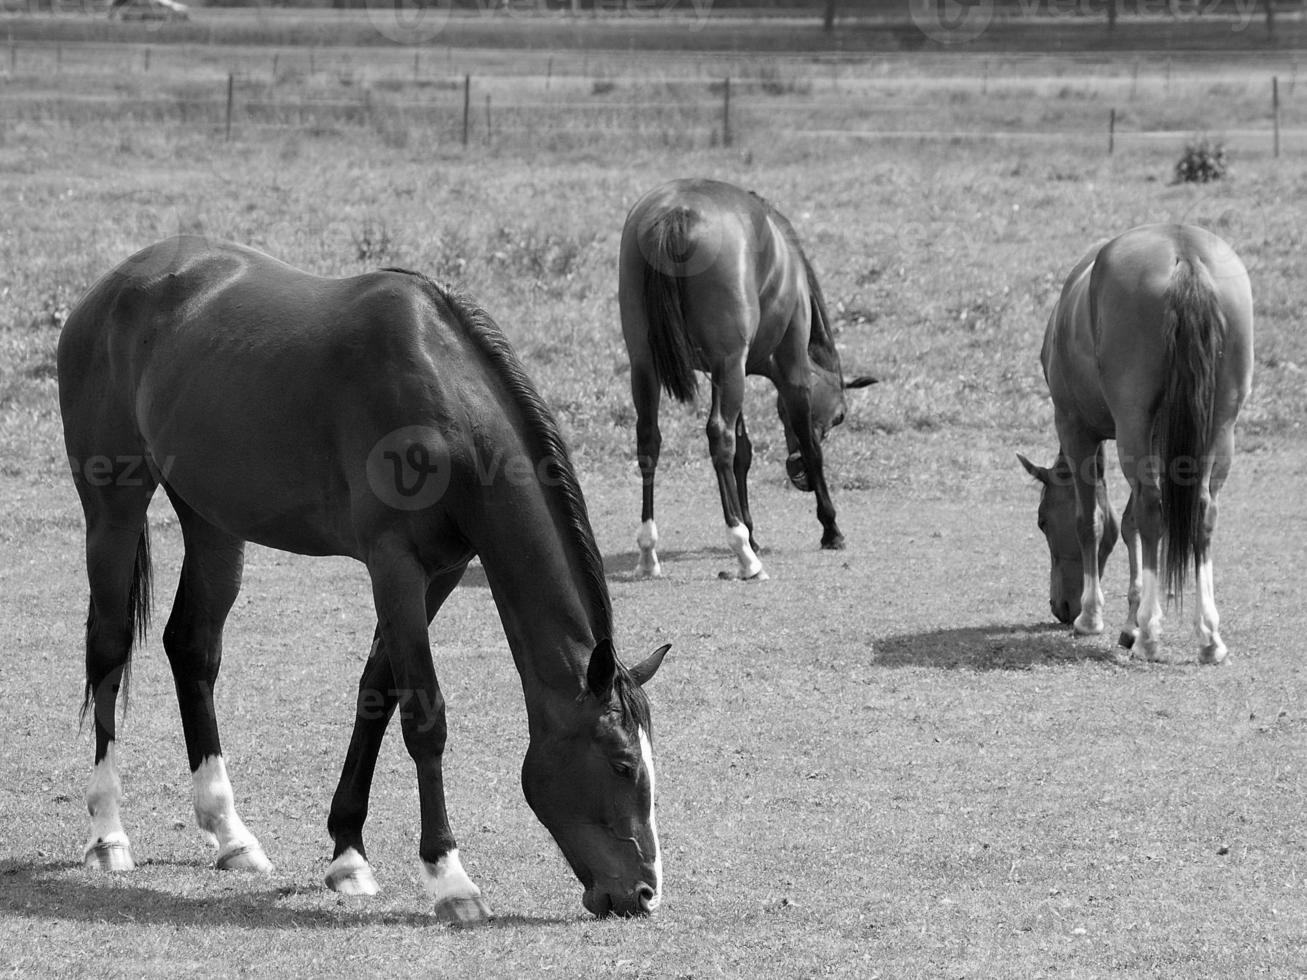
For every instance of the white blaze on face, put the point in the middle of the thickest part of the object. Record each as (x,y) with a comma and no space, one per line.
(646,755)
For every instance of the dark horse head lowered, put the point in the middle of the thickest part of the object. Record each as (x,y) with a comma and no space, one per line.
(712,278)
(381,418)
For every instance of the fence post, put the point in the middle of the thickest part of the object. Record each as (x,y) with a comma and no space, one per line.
(726,112)
(467,105)
(231,89)
(1275,111)
(1111,132)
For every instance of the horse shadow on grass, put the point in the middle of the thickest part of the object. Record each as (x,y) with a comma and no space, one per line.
(63,890)
(1014,646)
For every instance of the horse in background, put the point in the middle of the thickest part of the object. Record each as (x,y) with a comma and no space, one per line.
(713,278)
(349,417)
(1150,344)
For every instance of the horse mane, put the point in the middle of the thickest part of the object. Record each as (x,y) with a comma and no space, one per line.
(821,338)
(546,443)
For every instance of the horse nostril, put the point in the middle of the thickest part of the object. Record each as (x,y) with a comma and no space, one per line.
(646,899)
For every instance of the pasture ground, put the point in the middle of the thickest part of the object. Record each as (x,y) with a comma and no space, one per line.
(881,763)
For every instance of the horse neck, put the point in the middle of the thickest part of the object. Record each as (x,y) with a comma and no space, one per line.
(532,563)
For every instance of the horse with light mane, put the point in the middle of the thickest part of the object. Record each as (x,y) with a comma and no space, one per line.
(1150,344)
(349,417)
(713,278)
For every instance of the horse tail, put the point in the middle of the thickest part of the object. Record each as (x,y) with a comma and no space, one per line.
(138,615)
(1193,331)
(666,249)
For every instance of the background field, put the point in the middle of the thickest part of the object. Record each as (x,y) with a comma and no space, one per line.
(884,762)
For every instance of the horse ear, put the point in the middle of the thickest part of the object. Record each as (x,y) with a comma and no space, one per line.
(601,673)
(646,668)
(1040,473)
(861,381)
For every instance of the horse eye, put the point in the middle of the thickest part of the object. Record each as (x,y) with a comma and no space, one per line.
(626,770)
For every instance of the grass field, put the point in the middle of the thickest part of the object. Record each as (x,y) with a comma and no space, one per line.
(885,762)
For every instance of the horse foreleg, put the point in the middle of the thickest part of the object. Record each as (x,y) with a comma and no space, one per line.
(1088,474)
(798,409)
(349,872)
(648,444)
(399,588)
(723,414)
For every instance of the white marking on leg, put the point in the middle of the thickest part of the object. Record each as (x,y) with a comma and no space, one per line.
(107,847)
(446,880)
(350,874)
(647,540)
(1134,594)
(1090,620)
(1150,614)
(215,812)
(1207,620)
(646,755)
(737,539)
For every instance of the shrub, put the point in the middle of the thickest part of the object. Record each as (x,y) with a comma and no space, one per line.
(1202,160)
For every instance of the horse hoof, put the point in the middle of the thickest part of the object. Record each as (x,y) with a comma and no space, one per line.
(1126,640)
(1087,627)
(738,576)
(1213,653)
(244,857)
(350,874)
(463,911)
(109,856)
(649,571)
(833,544)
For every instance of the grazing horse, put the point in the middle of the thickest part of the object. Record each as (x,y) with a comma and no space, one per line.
(1150,344)
(713,278)
(377,417)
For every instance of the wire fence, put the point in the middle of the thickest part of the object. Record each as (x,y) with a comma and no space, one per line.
(1087,101)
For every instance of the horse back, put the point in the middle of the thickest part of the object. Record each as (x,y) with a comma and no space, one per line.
(254,389)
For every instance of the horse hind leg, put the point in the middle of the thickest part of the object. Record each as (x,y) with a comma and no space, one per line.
(1130,536)
(118,563)
(648,444)
(743,460)
(727,402)
(192,639)
(1207,621)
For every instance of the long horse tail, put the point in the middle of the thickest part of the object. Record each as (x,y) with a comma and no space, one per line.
(667,247)
(139,598)
(1193,331)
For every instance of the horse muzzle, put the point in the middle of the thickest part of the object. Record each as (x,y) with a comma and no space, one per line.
(797,472)
(641,901)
